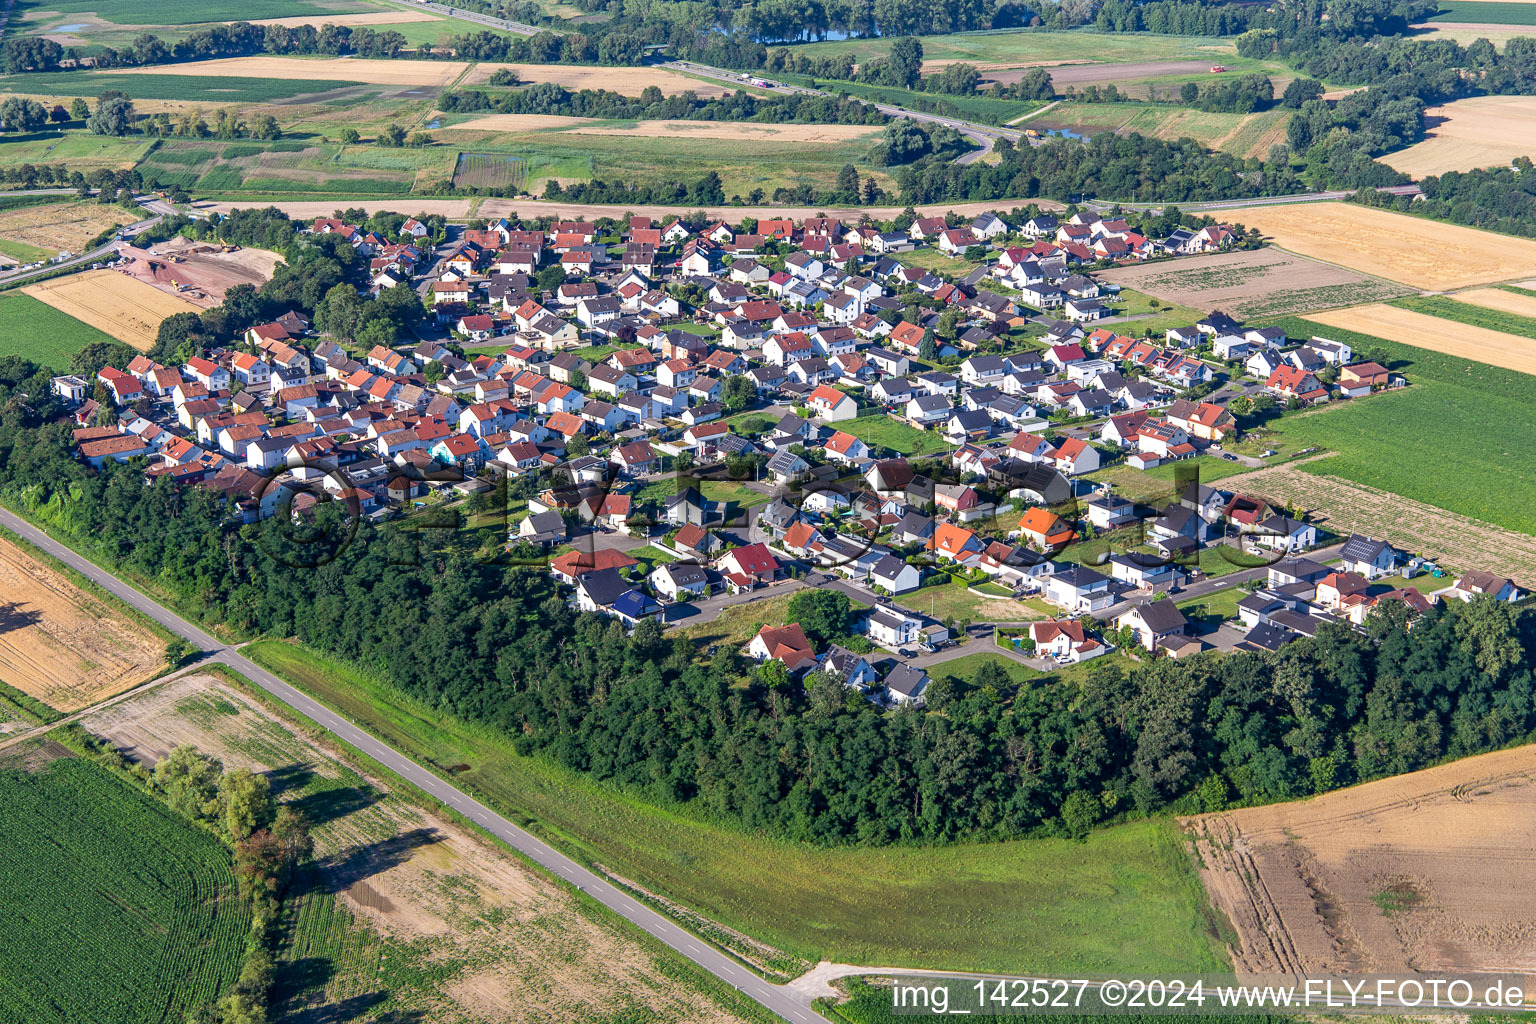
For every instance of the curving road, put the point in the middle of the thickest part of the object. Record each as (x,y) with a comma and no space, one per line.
(151,204)
(791,1004)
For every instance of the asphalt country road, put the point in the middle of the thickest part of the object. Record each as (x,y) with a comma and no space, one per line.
(787,1003)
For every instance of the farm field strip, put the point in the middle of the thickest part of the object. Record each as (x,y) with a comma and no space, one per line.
(62,645)
(1391,245)
(432,74)
(112,302)
(1450,308)
(1345,506)
(37,331)
(1423,331)
(61,226)
(1500,300)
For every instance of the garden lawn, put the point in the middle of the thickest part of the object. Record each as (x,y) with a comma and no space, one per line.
(35,330)
(1451,439)
(881,431)
(1126,899)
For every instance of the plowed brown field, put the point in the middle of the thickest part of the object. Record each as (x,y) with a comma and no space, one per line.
(1427,872)
(60,644)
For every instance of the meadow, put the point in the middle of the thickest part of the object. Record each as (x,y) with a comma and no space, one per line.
(37,331)
(1449,440)
(140,905)
(743,165)
(153,86)
(191,12)
(881,431)
(81,150)
(1239,134)
(1126,898)
(1019,46)
(1484,12)
(295,165)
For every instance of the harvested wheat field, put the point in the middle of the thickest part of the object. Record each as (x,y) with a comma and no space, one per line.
(453,927)
(63,226)
(1434,257)
(1428,872)
(338,69)
(62,645)
(681,130)
(434,73)
(1423,331)
(197,272)
(1486,131)
(1499,299)
(1344,507)
(629,81)
(1253,283)
(110,301)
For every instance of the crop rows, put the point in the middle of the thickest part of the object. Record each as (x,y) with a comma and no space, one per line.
(116,910)
(490,170)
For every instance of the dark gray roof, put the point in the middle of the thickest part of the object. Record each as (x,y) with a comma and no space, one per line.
(906,680)
(1161,616)
(1361,549)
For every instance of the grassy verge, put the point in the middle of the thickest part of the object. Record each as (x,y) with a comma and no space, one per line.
(1128,897)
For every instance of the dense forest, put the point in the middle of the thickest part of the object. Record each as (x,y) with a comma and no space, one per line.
(500,645)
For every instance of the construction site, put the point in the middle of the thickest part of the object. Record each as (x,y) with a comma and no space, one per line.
(198,272)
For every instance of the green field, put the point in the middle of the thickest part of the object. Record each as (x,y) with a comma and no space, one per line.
(1127,898)
(1023,45)
(190,12)
(294,165)
(115,908)
(1448,440)
(1466,313)
(881,431)
(149,86)
(37,331)
(743,164)
(81,150)
(1477,13)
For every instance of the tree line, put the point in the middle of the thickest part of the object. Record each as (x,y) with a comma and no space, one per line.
(550,98)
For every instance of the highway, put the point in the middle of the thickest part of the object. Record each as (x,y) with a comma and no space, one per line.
(788,1003)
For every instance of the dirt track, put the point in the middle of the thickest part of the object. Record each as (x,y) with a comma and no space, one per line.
(680,130)
(1449,852)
